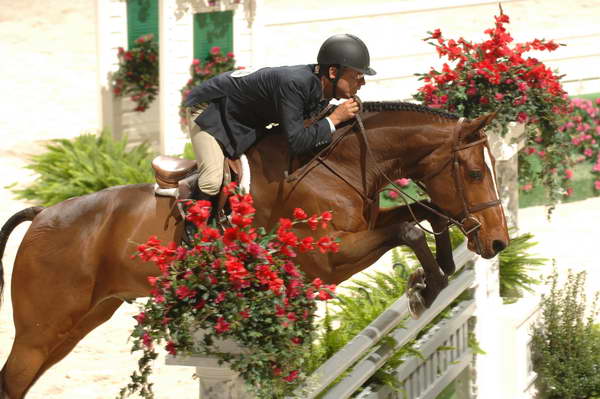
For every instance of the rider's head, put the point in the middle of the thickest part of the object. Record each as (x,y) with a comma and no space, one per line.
(343,61)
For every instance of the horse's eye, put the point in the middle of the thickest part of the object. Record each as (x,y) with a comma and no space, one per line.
(475,174)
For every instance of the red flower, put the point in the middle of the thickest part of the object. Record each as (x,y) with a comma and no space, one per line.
(147,340)
(326,244)
(307,244)
(236,269)
(220,297)
(296,340)
(292,376)
(285,224)
(313,222)
(230,235)
(171,348)
(184,292)
(317,283)
(215,50)
(287,238)
(291,269)
(245,314)
(221,326)
(210,234)
(299,214)
(199,212)
(568,174)
(279,311)
(140,318)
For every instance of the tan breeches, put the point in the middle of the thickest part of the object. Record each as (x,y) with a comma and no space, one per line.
(209,156)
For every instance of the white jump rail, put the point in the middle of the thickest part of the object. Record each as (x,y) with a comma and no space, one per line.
(426,379)
(391,318)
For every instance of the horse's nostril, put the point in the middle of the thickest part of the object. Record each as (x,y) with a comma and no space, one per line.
(498,245)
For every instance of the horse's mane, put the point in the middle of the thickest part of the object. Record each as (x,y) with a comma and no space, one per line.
(379,106)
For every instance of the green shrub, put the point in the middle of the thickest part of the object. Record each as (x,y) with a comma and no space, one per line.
(86,164)
(565,343)
(516,266)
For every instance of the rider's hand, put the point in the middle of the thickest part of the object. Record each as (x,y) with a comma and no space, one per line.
(343,112)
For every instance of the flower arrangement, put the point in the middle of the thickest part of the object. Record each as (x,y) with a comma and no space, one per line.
(583,129)
(239,285)
(216,63)
(496,76)
(137,76)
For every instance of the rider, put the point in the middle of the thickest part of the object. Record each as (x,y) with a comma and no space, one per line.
(228,113)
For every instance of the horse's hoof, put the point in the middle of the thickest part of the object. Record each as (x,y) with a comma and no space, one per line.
(416,284)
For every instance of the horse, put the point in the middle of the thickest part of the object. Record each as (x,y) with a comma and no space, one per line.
(74,268)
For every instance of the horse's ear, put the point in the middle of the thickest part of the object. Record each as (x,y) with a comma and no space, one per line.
(490,117)
(472,129)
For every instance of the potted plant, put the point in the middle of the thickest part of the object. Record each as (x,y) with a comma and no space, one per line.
(495,75)
(215,63)
(137,76)
(239,285)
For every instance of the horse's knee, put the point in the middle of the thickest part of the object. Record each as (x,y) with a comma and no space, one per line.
(410,234)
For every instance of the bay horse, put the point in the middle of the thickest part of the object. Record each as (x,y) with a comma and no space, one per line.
(73,268)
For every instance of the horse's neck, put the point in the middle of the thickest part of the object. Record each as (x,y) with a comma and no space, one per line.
(400,144)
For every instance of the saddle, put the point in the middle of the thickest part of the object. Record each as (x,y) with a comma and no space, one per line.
(173,173)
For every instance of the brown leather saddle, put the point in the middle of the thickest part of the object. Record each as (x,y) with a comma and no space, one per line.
(171,171)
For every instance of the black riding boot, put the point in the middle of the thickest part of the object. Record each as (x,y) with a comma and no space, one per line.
(188,189)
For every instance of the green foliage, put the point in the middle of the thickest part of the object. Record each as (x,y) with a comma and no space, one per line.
(360,304)
(516,266)
(566,344)
(86,164)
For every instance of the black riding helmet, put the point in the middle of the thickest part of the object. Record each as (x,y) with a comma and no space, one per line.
(346,50)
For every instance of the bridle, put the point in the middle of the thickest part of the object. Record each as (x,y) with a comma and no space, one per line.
(462,221)
(468,210)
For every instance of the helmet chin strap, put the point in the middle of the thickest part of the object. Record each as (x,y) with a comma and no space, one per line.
(334,81)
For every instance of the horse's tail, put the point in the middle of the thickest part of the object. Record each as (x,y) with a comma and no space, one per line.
(16,219)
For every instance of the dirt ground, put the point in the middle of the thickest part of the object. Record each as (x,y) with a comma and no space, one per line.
(48,81)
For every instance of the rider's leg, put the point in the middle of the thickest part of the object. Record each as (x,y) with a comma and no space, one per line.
(210,160)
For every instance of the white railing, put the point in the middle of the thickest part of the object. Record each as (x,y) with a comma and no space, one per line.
(364,342)
(425,379)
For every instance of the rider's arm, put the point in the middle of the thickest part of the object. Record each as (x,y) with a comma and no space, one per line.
(292,98)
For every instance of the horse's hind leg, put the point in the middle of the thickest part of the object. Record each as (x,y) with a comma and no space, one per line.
(28,354)
(35,351)
(94,318)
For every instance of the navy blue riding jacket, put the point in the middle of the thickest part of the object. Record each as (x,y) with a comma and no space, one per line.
(241,105)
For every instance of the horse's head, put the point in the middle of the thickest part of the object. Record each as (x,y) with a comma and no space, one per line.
(465,188)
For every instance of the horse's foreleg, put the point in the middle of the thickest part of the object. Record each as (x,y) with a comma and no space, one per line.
(443,253)
(443,245)
(425,284)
